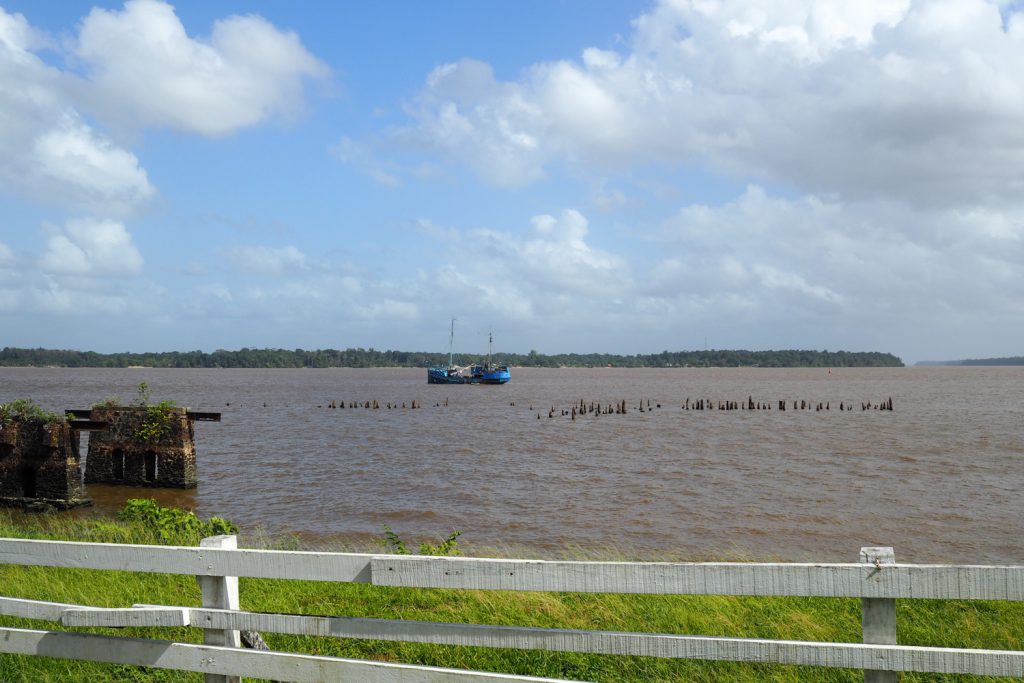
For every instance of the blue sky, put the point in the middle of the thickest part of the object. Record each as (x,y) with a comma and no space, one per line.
(613,177)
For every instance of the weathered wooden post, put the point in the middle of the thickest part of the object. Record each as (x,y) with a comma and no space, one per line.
(220,592)
(878,615)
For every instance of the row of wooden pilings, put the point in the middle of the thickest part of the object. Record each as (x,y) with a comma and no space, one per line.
(377,405)
(596,408)
(583,407)
(750,404)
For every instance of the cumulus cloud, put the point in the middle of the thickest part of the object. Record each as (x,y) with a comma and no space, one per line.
(92,171)
(6,256)
(143,69)
(90,247)
(348,151)
(841,267)
(270,261)
(49,154)
(469,117)
(759,271)
(549,275)
(557,257)
(140,69)
(549,268)
(891,99)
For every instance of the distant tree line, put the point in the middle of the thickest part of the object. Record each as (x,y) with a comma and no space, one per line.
(371,358)
(1012,360)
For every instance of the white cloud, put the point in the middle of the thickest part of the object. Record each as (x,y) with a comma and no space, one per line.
(6,256)
(551,278)
(17,37)
(558,258)
(143,69)
(217,291)
(760,271)
(48,153)
(840,265)
(917,102)
(96,174)
(90,247)
(270,261)
(465,114)
(361,156)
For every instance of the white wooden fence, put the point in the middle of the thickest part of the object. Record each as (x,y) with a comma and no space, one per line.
(217,563)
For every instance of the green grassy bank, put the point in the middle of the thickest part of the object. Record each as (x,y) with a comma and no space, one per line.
(990,625)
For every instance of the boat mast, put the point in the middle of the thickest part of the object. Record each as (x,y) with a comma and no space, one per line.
(490,342)
(451,343)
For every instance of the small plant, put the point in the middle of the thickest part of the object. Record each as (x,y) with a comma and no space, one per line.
(142,399)
(112,402)
(393,543)
(158,423)
(159,418)
(448,546)
(173,524)
(218,526)
(26,409)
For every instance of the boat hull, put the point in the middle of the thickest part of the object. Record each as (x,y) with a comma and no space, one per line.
(495,376)
(444,376)
(475,374)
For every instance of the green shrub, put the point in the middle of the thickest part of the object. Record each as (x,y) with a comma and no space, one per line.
(173,525)
(448,546)
(158,423)
(26,409)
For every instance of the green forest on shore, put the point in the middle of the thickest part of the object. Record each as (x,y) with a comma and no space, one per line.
(371,358)
(1011,360)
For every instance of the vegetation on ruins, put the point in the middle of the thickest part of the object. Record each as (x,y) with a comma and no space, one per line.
(159,417)
(26,409)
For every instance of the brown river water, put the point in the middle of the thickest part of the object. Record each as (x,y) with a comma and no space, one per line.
(939,478)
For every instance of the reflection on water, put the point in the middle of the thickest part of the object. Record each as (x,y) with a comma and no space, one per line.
(939,478)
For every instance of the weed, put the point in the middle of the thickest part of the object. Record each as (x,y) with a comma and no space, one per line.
(26,409)
(158,423)
(173,525)
(448,546)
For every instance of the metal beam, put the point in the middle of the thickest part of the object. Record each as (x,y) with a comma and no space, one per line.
(88,425)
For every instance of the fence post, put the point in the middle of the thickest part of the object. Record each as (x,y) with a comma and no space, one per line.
(220,592)
(878,615)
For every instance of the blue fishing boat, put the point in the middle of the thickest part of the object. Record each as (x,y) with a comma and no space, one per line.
(489,373)
(478,373)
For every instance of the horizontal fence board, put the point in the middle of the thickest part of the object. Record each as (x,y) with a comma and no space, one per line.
(840,655)
(34,609)
(851,580)
(698,578)
(310,566)
(118,617)
(835,655)
(228,661)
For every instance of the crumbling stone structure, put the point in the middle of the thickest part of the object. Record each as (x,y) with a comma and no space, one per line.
(40,463)
(142,446)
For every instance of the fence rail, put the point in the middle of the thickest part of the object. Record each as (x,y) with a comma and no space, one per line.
(876,579)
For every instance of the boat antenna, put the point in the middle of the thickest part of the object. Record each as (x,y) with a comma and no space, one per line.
(490,342)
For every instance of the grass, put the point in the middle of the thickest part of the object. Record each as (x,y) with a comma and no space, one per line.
(990,625)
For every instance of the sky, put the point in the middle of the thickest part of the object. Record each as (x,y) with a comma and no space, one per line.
(615,177)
